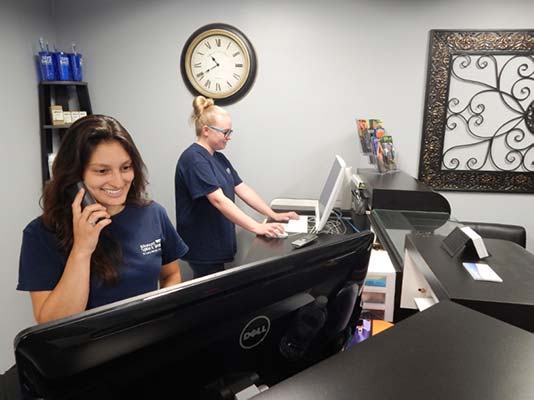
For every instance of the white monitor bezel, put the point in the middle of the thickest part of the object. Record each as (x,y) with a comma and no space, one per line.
(321,220)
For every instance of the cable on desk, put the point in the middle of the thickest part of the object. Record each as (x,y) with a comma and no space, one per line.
(311,225)
(346,219)
(336,227)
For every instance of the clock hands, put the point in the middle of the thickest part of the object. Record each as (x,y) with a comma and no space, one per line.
(216,60)
(215,66)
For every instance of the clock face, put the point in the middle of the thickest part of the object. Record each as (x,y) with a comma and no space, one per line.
(219,62)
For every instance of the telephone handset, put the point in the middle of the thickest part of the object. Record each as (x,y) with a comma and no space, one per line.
(87,197)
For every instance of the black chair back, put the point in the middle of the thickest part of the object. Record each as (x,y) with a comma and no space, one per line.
(513,233)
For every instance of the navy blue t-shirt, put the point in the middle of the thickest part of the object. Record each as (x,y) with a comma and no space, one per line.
(148,242)
(208,233)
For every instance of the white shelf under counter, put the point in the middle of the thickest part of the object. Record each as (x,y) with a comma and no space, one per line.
(382,272)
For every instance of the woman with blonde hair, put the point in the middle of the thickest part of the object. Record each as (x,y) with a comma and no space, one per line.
(205,187)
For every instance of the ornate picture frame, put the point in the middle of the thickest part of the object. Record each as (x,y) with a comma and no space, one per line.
(478,127)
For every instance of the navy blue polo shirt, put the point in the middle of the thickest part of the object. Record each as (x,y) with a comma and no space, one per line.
(208,233)
(148,241)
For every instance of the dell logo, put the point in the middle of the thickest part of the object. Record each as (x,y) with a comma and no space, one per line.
(254,332)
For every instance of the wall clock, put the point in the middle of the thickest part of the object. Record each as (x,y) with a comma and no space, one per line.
(218,61)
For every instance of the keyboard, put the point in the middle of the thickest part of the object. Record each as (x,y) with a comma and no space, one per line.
(297,225)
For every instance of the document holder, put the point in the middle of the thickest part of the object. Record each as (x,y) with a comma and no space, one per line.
(467,241)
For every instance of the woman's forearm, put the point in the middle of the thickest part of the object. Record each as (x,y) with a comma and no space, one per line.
(71,294)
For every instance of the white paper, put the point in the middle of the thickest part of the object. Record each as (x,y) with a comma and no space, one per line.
(423,303)
(297,225)
(481,272)
(67,117)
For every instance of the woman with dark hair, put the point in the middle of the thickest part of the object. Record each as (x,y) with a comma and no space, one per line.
(75,258)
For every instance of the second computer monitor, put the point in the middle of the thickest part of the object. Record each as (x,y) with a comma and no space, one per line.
(329,193)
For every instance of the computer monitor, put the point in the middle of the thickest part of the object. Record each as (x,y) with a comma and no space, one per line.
(330,193)
(178,340)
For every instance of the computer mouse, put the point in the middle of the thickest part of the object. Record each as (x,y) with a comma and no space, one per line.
(278,236)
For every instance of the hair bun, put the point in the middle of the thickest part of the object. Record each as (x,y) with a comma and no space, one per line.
(204,112)
(201,103)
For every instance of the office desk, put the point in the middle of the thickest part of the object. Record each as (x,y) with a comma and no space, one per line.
(251,248)
(430,272)
(446,352)
(192,334)
(391,228)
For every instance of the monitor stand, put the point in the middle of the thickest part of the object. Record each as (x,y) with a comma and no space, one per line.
(242,386)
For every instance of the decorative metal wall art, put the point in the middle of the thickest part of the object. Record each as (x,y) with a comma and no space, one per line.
(478,129)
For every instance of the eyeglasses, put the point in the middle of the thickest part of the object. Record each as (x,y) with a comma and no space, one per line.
(225,132)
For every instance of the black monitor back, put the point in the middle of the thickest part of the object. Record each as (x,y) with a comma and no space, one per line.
(177,340)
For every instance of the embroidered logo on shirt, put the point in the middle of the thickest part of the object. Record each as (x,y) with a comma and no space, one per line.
(151,248)
(228,170)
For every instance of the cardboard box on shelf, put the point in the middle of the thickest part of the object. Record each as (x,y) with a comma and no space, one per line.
(56,115)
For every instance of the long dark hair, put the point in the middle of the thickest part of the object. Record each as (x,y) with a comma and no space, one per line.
(75,151)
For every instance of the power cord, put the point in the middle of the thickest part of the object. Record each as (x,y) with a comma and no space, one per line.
(333,227)
(345,219)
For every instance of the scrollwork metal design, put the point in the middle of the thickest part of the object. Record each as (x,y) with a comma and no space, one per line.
(478,130)
(529,117)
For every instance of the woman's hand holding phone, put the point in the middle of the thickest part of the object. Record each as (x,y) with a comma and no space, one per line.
(87,223)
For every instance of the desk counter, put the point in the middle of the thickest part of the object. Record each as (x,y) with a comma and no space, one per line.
(511,301)
(446,352)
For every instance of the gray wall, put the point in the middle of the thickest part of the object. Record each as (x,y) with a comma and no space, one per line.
(321,65)
(21,24)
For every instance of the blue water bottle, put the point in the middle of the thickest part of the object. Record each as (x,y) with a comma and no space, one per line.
(46,64)
(62,63)
(76,64)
